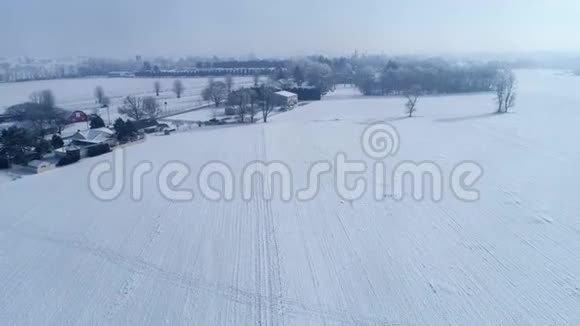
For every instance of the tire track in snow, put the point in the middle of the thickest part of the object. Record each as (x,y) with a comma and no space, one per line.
(267,266)
(146,269)
(272,252)
(126,291)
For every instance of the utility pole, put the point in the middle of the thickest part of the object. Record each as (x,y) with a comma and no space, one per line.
(108,115)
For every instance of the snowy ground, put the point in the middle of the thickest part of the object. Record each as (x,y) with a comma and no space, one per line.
(78,94)
(510,258)
(6,176)
(201,115)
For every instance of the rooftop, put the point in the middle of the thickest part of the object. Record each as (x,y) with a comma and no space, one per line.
(286,94)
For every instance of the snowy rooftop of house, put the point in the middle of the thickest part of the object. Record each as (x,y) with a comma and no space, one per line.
(94,135)
(66,148)
(286,94)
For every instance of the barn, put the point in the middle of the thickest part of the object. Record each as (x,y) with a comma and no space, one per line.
(285,99)
(78,116)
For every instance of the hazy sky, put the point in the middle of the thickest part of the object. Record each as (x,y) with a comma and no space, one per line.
(281,28)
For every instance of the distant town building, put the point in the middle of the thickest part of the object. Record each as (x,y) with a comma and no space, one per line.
(122,74)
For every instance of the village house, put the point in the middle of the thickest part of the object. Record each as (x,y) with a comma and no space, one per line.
(91,137)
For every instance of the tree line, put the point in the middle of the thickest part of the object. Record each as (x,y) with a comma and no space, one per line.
(153,73)
(434,78)
(40,114)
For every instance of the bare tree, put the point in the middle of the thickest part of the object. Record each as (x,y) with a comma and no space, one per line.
(505,90)
(229,83)
(252,99)
(157,87)
(505,86)
(216,92)
(151,107)
(133,108)
(499,92)
(266,96)
(178,88)
(412,96)
(45,97)
(239,100)
(45,114)
(510,96)
(100,95)
(41,116)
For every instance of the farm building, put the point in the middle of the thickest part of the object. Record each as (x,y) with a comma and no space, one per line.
(38,166)
(285,99)
(94,136)
(67,150)
(78,116)
(307,93)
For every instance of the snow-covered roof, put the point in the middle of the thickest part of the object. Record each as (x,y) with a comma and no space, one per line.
(105,130)
(286,94)
(66,148)
(97,135)
(37,163)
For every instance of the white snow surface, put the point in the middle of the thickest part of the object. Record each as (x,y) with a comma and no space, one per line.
(201,114)
(510,258)
(78,94)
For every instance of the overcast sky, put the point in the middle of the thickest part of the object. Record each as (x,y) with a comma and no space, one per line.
(285,28)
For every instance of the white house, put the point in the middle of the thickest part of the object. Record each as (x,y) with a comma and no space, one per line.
(285,99)
(38,166)
(94,136)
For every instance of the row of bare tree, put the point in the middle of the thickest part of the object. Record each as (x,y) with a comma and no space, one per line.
(139,107)
(147,107)
(178,88)
(247,102)
(504,86)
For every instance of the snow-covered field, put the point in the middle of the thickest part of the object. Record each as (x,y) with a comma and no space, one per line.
(510,258)
(78,94)
(201,115)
